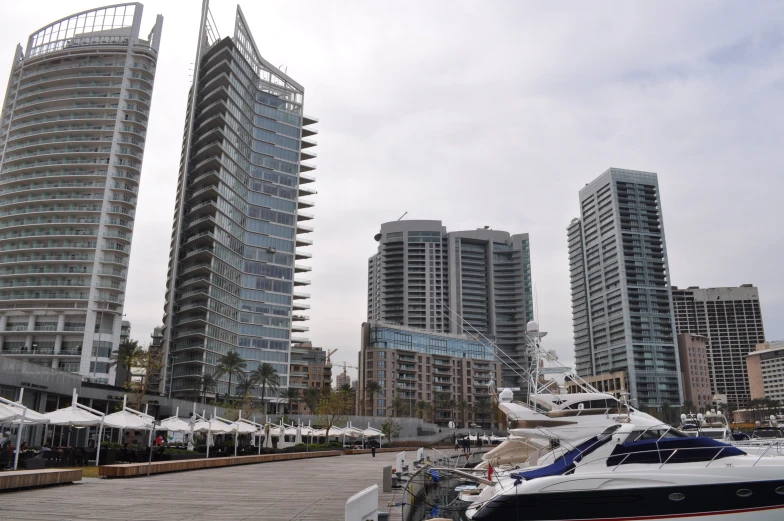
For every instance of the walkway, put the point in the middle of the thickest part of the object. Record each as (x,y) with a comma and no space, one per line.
(286,490)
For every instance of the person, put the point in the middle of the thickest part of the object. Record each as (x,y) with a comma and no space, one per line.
(46,448)
(24,446)
(126,452)
(457,443)
(373,450)
(479,442)
(159,440)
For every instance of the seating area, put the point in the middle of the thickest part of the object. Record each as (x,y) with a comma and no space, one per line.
(55,458)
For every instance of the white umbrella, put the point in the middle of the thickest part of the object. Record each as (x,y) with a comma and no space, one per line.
(371,432)
(268,437)
(298,437)
(174,424)
(32,418)
(201,426)
(72,416)
(128,420)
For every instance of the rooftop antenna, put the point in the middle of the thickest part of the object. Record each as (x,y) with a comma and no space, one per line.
(403,215)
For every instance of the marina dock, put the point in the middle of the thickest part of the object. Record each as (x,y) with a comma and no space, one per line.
(285,490)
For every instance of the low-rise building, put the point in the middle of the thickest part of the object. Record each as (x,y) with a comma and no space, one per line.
(765,369)
(615,383)
(341,380)
(452,374)
(693,353)
(309,368)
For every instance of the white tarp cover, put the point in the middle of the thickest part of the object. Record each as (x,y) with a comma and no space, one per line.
(219,427)
(370,432)
(175,424)
(244,428)
(201,426)
(73,416)
(298,436)
(8,414)
(127,420)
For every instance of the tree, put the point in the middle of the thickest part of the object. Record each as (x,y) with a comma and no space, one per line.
(230,364)
(482,408)
(244,387)
(265,375)
(292,397)
(312,398)
(399,406)
(333,408)
(207,383)
(462,405)
(688,407)
(423,409)
(351,391)
(148,362)
(124,357)
(373,388)
(390,428)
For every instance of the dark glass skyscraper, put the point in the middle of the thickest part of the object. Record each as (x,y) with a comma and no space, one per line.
(231,281)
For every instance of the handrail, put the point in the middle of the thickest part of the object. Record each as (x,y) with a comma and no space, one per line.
(714,457)
(766,451)
(670,456)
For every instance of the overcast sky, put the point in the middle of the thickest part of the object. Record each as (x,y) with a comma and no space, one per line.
(493,113)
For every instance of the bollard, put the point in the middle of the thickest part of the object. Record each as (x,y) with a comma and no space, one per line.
(395,481)
(387,479)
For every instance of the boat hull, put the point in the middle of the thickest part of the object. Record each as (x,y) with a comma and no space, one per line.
(709,502)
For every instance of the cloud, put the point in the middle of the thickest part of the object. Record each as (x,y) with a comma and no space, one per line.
(496,114)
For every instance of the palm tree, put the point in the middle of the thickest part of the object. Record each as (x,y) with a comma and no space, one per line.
(688,406)
(312,398)
(265,375)
(463,405)
(422,408)
(124,356)
(399,406)
(207,384)
(230,364)
(244,387)
(292,397)
(482,407)
(373,388)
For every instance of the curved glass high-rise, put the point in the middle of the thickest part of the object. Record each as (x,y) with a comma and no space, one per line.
(237,223)
(72,136)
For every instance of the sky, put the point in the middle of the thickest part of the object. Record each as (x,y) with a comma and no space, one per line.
(492,114)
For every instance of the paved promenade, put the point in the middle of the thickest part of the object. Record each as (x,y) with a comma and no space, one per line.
(287,490)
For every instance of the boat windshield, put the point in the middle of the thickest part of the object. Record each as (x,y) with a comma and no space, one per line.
(767,433)
(715,434)
(672,449)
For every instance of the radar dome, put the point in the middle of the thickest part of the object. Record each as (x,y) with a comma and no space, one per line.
(506,395)
(532,327)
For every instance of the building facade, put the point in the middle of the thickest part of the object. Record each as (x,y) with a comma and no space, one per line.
(731,320)
(693,352)
(451,372)
(765,367)
(72,136)
(341,380)
(232,283)
(621,300)
(616,384)
(473,282)
(309,370)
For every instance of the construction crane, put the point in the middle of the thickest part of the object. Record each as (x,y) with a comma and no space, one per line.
(329,354)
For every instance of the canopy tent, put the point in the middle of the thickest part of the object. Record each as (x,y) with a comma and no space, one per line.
(73,416)
(219,426)
(201,426)
(78,415)
(370,432)
(174,424)
(128,419)
(9,414)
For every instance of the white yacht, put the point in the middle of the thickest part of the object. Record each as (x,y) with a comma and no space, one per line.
(628,473)
(712,424)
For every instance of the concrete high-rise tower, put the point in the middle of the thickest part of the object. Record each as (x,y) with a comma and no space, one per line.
(72,137)
(621,301)
(238,220)
(731,321)
(483,276)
